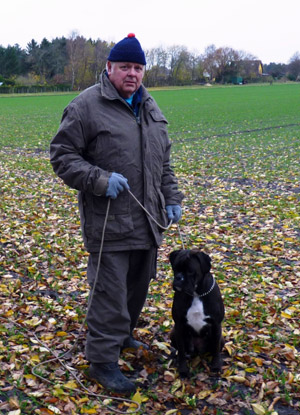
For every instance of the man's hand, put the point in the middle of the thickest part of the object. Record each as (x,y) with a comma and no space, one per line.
(116,184)
(174,213)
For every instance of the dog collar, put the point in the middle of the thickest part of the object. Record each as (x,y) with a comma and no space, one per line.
(207,292)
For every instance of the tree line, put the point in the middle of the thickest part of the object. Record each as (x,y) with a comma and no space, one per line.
(75,63)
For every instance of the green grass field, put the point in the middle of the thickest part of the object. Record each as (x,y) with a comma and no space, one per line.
(236,153)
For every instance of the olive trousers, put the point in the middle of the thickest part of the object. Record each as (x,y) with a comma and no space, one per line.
(119,296)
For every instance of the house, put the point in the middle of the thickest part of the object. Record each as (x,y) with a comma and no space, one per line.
(247,70)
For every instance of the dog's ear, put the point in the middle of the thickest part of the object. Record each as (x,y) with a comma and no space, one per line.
(205,261)
(173,256)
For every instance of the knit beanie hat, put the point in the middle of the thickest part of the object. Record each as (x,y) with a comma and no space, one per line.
(128,50)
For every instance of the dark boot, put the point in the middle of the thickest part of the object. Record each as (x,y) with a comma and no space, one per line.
(111,378)
(131,343)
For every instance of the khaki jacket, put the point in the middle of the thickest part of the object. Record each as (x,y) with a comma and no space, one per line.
(100,134)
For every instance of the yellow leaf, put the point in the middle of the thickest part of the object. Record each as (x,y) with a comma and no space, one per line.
(70,385)
(239,379)
(35,359)
(82,400)
(34,321)
(290,310)
(291,378)
(258,409)
(176,385)
(138,398)
(258,361)
(228,348)
(61,333)
(144,331)
(250,370)
(204,394)
(88,411)
(4,290)
(162,346)
(30,377)
(285,315)
(266,248)
(171,411)
(47,336)
(60,392)
(54,409)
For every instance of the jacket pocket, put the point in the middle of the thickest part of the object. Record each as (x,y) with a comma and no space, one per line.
(117,227)
(119,223)
(157,116)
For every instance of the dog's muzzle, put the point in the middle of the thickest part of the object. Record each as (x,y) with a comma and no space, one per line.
(178,282)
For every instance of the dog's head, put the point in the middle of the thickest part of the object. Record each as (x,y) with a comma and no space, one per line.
(189,267)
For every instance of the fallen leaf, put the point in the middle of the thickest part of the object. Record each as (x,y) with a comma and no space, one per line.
(258,409)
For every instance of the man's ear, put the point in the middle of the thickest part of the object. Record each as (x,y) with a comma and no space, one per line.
(205,261)
(173,256)
(108,67)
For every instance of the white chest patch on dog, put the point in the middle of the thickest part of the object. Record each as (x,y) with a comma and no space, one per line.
(195,315)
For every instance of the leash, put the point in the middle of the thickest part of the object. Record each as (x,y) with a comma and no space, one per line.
(149,214)
(71,370)
(180,236)
(155,221)
(66,355)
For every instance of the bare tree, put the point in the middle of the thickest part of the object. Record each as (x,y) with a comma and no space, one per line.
(180,65)
(74,46)
(101,52)
(294,67)
(157,70)
(209,61)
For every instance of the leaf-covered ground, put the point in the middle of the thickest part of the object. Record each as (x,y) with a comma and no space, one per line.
(241,207)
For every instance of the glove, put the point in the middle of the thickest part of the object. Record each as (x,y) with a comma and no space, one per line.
(173,212)
(116,184)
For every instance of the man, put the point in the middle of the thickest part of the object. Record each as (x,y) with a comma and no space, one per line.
(113,138)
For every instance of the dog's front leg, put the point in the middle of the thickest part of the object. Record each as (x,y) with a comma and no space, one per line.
(217,343)
(180,340)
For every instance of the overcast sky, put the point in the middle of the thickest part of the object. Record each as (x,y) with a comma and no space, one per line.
(268,29)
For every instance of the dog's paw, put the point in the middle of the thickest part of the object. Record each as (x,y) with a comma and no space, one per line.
(216,369)
(184,374)
(184,371)
(216,366)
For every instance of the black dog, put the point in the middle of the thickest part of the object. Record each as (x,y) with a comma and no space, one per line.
(197,310)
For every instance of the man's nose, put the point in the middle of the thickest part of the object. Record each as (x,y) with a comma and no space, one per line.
(131,71)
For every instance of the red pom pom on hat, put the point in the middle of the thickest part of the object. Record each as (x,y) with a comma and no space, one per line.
(131,35)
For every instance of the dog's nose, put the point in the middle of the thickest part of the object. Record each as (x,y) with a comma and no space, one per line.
(179,277)
(178,281)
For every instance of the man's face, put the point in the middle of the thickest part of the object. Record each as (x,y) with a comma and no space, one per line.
(125,76)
